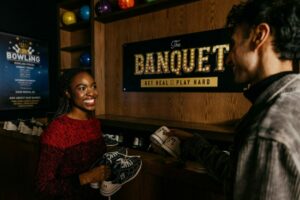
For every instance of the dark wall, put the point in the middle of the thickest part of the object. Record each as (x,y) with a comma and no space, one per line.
(34,18)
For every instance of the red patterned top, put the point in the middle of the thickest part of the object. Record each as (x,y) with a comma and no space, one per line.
(68,147)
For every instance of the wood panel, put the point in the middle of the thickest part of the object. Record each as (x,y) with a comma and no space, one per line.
(19,157)
(162,179)
(191,107)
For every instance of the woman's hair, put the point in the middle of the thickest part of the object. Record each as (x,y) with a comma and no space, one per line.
(283,17)
(64,85)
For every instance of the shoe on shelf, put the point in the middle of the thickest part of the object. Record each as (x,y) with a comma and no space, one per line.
(26,127)
(21,123)
(11,125)
(5,125)
(110,140)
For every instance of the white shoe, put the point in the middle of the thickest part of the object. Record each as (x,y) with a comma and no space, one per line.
(40,131)
(172,146)
(162,142)
(5,125)
(26,130)
(108,188)
(21,124)
(94,185)
(160,136)
(10,126)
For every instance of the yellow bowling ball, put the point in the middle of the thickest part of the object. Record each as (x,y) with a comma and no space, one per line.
(68,18)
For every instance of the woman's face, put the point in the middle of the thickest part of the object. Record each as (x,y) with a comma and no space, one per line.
(83,92)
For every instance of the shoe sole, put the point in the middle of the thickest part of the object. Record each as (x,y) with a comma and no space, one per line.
(121,184)
(108,194)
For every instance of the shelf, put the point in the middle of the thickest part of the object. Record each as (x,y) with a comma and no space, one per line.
(72,4)
(76,48)
(66,69)
(219,132)
(77,26)
(141,9)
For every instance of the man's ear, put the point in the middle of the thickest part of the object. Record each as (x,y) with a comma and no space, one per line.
(261,34)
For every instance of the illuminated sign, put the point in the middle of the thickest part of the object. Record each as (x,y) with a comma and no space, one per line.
(192,62)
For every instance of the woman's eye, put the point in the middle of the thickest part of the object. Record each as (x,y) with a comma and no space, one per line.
(81,88)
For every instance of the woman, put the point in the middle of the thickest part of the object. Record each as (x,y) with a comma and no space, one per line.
(72,143)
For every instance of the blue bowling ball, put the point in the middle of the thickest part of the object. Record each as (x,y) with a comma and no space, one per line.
(84,12)
(85,59)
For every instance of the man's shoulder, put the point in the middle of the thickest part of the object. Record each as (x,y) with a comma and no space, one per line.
(281,121)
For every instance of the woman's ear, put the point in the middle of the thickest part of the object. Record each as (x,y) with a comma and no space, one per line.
(67,94)
(261,34)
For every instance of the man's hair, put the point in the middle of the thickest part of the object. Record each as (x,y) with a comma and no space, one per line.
(283,17)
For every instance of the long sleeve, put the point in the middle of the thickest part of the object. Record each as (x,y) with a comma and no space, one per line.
(216,161)
(68,148)
(48,182)
(266,170)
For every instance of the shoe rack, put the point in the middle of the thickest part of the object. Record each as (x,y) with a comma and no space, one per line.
(74,39)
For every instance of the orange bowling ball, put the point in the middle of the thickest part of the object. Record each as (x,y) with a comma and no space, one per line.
(125,4)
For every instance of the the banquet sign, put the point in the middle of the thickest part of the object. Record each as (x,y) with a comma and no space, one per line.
(192,62)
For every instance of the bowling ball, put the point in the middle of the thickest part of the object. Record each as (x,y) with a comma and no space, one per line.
(84,12)
(68,18)
(102,6)
(125,4)
(85,59)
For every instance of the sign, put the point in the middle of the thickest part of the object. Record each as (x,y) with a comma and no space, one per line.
(192,62)
(24,66)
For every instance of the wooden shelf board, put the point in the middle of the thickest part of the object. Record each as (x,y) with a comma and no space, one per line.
(141,9)
(72,4)
(219,132)
(76,48)
(77,26)
(72,67)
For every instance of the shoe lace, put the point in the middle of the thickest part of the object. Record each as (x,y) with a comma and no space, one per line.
(124,162)
(109,156)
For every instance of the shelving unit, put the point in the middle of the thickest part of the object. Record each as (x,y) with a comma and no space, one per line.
(141,8)
(77,38)
(74,38)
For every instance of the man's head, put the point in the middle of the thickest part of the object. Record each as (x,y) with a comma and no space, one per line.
(265,32)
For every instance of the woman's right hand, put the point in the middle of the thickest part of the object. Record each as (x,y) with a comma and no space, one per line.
(97,174)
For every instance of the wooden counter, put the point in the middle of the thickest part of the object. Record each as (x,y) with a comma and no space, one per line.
(217,132)
(159,179)
(19,156)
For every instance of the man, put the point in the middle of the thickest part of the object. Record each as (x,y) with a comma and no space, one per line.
(265,159)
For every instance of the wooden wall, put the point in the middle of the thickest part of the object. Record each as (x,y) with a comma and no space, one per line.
(180,106)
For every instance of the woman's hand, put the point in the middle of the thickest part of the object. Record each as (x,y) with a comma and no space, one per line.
(97,174)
